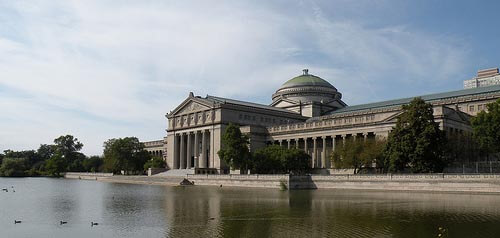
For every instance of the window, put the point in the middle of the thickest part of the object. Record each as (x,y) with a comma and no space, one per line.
(471,108)
(479,107)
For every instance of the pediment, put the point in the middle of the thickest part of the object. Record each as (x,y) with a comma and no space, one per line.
(282,102)
(393,118)
(452,114)
(190,105)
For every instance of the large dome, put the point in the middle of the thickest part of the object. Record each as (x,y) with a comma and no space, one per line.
(306,79)
(307,88)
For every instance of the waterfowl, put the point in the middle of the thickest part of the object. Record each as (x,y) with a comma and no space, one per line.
(93,223)
(63,222)
(17,221)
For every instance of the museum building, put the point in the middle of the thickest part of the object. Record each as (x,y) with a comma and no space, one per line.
(307,112)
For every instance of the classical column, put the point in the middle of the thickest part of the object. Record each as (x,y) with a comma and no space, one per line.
(183,153)
(323,154)
(333,150)
(211,149)
(344,137)
(365,135)
(289,143)
(196,150)
(203,149)
(281,143)
(296,143)
(189,151)
(305,145)
(315,149)
(176,151)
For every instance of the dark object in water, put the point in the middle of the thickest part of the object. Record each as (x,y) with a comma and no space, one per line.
(62,222)
(16,221)
(5,190)
(93,223)
(186,182)
(211,218)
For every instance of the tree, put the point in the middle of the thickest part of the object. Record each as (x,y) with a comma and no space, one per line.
(358,154)
(66,145)
(56,165)
(64,155)
(155,162)
(267,160)
(13,167)
(93,164)
(1,159)
(486,127)
(126,154)
(296,161)
(462,148)
(46,151)
(416,141)
(234,151)
(373,152)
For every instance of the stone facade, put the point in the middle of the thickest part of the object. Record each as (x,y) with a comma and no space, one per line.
(157,148)
(306,113)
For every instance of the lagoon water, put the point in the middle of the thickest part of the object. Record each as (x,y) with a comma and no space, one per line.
(125,210)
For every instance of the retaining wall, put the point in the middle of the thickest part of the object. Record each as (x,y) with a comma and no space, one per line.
(240,180)
(480,183)
(93,176)
(468,183)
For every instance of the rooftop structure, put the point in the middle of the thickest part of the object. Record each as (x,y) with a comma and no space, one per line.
(484,78)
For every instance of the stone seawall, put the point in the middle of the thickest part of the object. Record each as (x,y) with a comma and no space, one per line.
(465,183)
(88,176)
(241,180)
(473,183)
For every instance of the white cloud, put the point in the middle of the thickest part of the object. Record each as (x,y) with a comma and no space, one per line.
(104,69)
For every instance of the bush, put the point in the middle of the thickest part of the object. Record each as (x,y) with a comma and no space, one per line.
(276,159)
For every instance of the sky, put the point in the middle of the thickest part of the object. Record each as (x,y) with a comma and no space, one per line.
(108,69)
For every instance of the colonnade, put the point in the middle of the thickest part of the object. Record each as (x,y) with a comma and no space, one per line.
(192,150)
(156,152)
(320,147)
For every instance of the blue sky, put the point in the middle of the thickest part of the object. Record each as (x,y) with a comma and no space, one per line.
(107,69)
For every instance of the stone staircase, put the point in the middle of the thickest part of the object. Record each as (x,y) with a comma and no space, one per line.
(175,173)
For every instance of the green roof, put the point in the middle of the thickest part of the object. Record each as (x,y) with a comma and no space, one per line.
(247,104)
(427,98)
(306,80)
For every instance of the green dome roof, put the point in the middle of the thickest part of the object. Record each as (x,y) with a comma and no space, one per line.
(306,79)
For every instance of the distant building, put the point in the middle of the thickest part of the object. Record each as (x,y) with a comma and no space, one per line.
(484,78)
(156,148)
(306,113)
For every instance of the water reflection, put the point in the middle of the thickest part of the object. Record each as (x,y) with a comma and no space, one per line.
(322,213)
(124,210)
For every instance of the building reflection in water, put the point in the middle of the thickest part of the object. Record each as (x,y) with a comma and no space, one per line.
(239,212)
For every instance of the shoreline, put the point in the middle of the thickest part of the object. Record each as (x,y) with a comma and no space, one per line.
(433,183)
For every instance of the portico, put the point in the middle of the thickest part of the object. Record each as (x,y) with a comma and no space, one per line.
(192,150)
